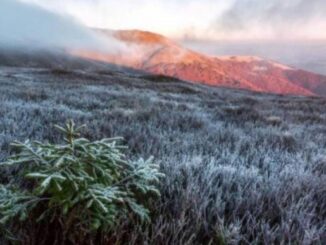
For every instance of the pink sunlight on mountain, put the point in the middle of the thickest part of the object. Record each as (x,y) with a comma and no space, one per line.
(157,54)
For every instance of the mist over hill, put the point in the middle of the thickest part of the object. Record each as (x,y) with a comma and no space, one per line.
(23,32)
(157,54)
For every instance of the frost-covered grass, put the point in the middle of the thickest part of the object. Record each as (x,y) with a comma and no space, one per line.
(241,167)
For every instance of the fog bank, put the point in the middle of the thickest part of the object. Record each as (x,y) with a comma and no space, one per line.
(29,26)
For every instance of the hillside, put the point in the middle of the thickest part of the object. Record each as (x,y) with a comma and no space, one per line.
(156,54)
(241,167)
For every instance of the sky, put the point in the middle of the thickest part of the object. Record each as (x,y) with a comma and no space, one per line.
(202,19)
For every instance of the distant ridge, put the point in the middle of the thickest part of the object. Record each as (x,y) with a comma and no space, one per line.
(157,54)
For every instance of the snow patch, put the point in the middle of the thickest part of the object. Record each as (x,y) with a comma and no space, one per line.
(259,68)
(281,66)
(240,58)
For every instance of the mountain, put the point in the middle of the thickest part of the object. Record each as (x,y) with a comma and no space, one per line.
(157,54)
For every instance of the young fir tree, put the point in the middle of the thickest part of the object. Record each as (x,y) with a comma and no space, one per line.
(84,186)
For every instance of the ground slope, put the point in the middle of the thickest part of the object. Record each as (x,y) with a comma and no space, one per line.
(241,167)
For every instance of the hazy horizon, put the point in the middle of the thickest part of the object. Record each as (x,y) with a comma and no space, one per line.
(207,19)
(308,55)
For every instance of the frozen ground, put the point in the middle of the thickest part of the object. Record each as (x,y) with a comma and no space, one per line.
(241,167)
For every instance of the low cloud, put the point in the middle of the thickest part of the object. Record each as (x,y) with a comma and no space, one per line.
(29,26)
(288,19)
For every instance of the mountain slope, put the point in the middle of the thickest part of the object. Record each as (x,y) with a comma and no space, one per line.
(157,54)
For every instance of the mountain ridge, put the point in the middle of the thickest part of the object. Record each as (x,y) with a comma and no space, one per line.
(157,54)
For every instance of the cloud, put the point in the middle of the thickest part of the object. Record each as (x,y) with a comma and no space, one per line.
(273,19)
(30,26)
(173,18)
(206,19)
